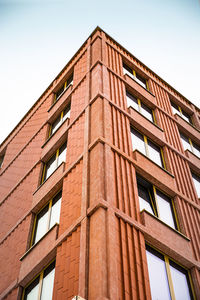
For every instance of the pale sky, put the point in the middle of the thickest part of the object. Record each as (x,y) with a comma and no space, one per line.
(38,38)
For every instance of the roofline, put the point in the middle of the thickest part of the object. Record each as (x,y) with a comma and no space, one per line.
(51,84)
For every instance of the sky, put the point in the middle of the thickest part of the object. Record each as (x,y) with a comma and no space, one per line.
(38,38)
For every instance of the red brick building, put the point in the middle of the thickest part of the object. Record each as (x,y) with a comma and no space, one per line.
(100,185)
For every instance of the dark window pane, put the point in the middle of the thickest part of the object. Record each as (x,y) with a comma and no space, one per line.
(55,125)
(158,277)
(144,199)
(154,153)
(138,141)
(131,101)
(196,180)
(31,292)
(69,81)
(185,142)
(59,92)
(186,117)
(165,209)
(175,109)
(196,149)
(141,80)
(147,112)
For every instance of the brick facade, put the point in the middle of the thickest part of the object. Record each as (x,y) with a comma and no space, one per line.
(99,244)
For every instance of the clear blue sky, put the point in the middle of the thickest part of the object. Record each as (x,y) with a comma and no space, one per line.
(38,37)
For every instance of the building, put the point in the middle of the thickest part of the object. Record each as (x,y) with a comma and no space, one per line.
(100,185)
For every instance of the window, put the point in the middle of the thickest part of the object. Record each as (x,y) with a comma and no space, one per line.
(63,88)
(143,82)
(168,280)
(41,288)
(46,218)
(65,114)
(188,144)
(148,148)
(178,110)
(140,107)
(196,180)
(155,202)
(1,160)
(54,162)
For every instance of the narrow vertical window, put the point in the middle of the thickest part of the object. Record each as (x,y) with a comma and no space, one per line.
(138,141)
(134,75)
(47,218)
(64,87)
(196,180)
(1,160)
(65,114)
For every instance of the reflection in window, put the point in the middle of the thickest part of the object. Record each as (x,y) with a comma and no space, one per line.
(54,162)
(63,88)
(47,218)
(178,110)
(132,73)
(172,278)
(58,122)
(140,107)
(155,202)
(148,148)
(196,180)
(188,144)
(42,287)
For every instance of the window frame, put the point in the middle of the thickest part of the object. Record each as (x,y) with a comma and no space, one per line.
(181,112)
(140,103)
(61,119)
(134,75)
(146,146)
(41,277)
(57,152)
(49,212)
(64,86)
(166,259)
(153,191)
(191,143)
(193,174)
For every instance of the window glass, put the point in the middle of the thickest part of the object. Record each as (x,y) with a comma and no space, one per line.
(41,224)
(186,117)
(55,210)
(196,149)
(128,70)
(1,160)
(31,291)
(158,277)
(154,153)
(185,141)
(47,283)
(50,166)
(175,109)
(131,101)
(196,180)
(138,141)
(62,154)
(66,113)
(59,92)
(141,80)
(42,287)
(180,283)
(165,209)
(144,199)
(55,125)
(147,112)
